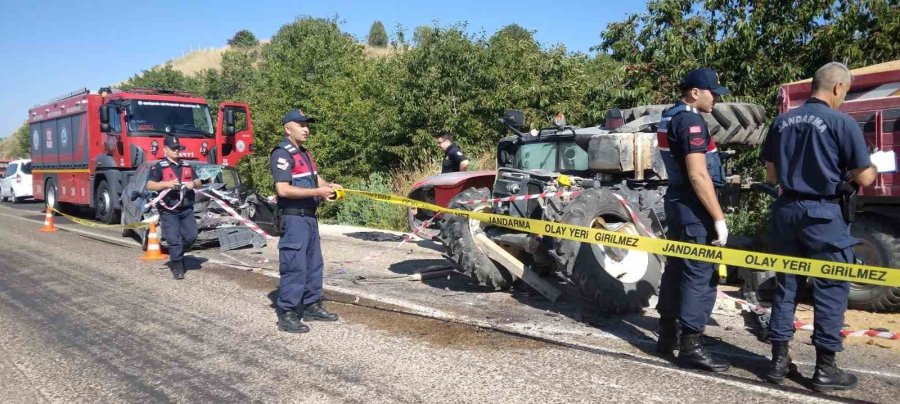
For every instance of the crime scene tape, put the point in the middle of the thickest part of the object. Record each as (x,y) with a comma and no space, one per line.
(237,216)
(89,223)
(800,325)
(719,255)
(634,216)
(221,203)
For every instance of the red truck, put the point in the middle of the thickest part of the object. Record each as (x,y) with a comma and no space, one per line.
(85,146)
(874,101)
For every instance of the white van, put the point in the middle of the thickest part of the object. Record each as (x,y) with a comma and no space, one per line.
(16,183)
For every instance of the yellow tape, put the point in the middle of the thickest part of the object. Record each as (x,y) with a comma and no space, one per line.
(720,255)
(89,223)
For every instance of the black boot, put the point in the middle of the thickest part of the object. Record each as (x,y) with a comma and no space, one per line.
(177,269)
(781,364)
(828,377)
(693,355)
(668,336)
(315,312)
(288,321)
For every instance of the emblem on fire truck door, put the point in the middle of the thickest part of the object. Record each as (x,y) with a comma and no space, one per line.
(63,137)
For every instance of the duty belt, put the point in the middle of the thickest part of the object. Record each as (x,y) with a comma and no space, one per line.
(298,212)
(799,196)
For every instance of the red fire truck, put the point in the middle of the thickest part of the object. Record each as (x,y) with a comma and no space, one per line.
(874,101)
(85,146)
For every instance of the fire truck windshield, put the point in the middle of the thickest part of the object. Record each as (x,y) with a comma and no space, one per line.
(157,117)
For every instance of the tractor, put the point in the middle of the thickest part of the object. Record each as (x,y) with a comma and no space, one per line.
(610,177)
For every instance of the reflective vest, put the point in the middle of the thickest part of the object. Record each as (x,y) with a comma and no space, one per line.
(304,174)
(168,171)
(183,198)
(676,168)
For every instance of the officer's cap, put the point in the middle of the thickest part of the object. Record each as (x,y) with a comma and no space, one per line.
(705,79)
(172,143)
(295,115)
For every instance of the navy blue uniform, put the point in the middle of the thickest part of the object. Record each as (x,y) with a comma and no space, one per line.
(299,250)
(179,227)
(688,288)
(453,157)
(812,147)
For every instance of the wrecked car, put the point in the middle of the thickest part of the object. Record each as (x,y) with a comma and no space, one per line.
(214,223)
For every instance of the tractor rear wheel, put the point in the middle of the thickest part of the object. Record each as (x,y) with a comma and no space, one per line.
(730,123)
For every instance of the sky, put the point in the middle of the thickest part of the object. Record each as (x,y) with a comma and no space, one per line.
(53,47)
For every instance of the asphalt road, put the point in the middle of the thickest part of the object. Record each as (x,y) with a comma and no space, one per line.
(85,320)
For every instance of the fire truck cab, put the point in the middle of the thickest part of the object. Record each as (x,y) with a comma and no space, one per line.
(85,146)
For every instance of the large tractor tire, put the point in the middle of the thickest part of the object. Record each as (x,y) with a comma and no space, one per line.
(611,280)
(730,123)
(458,237)
(880,247)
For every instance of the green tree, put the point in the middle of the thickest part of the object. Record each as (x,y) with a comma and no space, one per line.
(377,35)
(23,141)
(754,45)
(243,39)
(163,77)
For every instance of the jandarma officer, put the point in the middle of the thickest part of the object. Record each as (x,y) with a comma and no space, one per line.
(176,210)
(454,159)
(300,188)
(688,288)
(808,151)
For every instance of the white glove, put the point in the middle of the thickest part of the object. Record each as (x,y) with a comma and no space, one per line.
(722,232)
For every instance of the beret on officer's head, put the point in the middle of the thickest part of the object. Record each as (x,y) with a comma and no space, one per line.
(295,115)
(704,78)
(172,142)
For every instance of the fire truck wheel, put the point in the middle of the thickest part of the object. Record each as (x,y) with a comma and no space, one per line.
(458,237)
(105,211)
(611,280)
(50,195)
(880,247)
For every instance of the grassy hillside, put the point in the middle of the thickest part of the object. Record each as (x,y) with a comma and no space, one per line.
(197,61)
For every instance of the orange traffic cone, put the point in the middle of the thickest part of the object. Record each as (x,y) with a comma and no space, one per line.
(153,251)
(48,222)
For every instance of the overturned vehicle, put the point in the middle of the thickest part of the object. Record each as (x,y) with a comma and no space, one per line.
(214,223)
(609,177)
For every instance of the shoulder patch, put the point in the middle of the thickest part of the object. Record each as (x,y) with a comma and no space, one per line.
(697,141)
(459,153)
(695,129)
(282,164)
(164,164)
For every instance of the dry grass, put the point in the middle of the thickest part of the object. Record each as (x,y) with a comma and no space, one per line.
(484,161)
(374,52)
(405,177)
(199,60)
